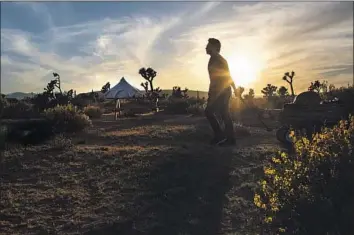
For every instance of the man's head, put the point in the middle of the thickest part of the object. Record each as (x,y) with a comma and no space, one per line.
(213,46)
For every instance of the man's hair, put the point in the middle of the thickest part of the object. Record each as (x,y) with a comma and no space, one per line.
(216,43)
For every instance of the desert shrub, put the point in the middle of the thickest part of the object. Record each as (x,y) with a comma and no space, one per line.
(61,142)
(41,102)
(183,105)
(241,130)
(81,101)
(239,108)
(65,119)
(196,109)
(176,106)
(2,138)
(194,101)
(17,110)
(129,113)
(311,192)
(2,143)
(93,112)
(278,101)
(29,132)
(109,104)
(236,105)
(344,94)
(3,104)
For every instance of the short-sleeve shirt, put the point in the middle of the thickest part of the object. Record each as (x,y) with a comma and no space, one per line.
(219,75)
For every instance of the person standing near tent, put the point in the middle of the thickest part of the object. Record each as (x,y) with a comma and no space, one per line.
(219,95)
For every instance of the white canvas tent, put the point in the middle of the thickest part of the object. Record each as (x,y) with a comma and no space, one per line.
(123,90)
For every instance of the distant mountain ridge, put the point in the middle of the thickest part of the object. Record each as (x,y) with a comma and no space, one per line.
(19,95)
(191,93)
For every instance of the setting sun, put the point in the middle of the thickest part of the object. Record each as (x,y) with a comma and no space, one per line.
(244,71)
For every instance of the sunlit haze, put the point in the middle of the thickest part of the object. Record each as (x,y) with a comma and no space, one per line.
(91,43)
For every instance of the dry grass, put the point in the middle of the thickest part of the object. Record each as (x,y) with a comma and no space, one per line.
(135,176)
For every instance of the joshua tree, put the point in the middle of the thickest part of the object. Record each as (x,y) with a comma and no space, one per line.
(49,90)
(57,83)
(240,90)
(154,94)
(318,87)
(177,92)
(250,93)
(106,87)
(148,74)
(146,86)
(324,86)
(283,91)
(70,94)
(249,96)
(331,87)
(269,90)
(289,79)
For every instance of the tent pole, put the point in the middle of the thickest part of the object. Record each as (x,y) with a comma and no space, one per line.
(119,107)
(115,110)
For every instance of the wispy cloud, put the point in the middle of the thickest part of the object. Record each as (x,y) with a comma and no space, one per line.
(40,10)
(299,36)
(314,39)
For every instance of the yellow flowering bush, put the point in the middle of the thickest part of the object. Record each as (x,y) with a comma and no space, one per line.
(311,191)
(93,111)
(65,119)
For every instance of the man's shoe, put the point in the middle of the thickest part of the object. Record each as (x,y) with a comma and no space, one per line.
(227,142)
(217,140)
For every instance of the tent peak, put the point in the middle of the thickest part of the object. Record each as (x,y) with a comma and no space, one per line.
(122,90)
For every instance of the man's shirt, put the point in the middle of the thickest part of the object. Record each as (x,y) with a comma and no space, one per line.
(219,75)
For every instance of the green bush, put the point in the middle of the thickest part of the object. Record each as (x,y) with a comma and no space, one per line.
(65,119)
(93,112)
(311,191)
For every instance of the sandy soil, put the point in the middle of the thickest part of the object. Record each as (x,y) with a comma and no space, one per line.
(145,175)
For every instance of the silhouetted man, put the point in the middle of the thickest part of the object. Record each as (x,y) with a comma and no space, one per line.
(219,95)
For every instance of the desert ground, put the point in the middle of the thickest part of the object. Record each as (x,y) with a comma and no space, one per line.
(153,174)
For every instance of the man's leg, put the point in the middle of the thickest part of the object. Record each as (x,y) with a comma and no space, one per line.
(210,115)
(226,117)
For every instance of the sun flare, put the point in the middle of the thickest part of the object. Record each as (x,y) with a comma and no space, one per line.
(244,70)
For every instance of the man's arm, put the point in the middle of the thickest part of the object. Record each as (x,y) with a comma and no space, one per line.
(230,80)
(233,86)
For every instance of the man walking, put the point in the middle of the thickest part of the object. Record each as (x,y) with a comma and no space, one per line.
(219,95)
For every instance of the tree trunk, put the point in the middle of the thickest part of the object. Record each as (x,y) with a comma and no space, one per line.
(292,89)
(59,87)
(151,86)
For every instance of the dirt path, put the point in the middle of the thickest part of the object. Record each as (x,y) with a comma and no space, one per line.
(149,175)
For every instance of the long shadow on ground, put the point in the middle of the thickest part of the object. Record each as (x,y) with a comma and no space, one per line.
(182,194)
(183,191)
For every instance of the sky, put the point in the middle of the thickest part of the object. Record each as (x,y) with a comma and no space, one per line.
(91,43)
